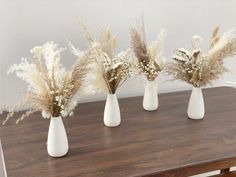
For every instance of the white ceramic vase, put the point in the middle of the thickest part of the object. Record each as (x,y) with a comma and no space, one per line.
(57,144)
(150,98)
(196,108)
(112,111)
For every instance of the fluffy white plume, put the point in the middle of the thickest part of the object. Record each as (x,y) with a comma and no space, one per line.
(196,41)
(51,89)
(30,73)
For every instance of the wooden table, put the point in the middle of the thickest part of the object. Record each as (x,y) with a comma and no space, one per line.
(162,143)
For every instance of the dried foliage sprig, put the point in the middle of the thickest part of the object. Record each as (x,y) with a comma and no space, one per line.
(52,90)
(149,58)
(198,68)
(109,71)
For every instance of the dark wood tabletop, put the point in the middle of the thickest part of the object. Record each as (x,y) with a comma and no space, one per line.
(161,143)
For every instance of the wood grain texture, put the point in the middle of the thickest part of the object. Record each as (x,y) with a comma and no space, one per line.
(163,143)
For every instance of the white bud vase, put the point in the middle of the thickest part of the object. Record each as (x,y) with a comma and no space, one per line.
(57,144)
(112,111)
(150,98)
(196,108)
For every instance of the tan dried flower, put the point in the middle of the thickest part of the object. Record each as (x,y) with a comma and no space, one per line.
(52,90)
(198,68)
(109,71)
(149,58)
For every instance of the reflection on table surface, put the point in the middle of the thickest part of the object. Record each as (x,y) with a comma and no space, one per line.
(3,172)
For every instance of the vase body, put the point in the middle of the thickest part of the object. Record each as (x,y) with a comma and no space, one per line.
(57,144)
(196,108)
(112,111)
(150,98)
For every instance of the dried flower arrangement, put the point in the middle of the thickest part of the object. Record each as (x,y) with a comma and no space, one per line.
(52,89)
(198,68)
(149,58)
(109,71)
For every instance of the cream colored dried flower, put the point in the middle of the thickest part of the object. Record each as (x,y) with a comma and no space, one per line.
(196,41)
(200,68)
(149,58)
(108,71)
(52,90)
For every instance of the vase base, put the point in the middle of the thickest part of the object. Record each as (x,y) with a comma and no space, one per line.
(195,118)
(112,125)
(55,155)
(151,109)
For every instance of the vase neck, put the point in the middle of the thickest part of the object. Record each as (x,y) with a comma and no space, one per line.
(111,95)
(151,82)
(59,117)
(197,88)
(56,120)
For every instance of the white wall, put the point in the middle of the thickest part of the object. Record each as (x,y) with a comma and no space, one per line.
(25,23)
